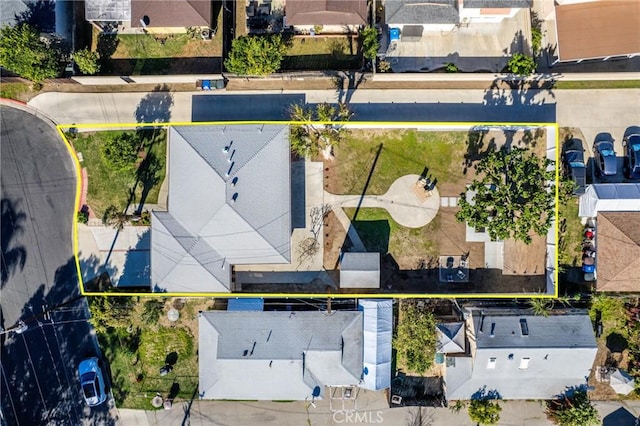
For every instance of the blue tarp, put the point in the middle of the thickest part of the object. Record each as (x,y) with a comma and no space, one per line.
(246,304)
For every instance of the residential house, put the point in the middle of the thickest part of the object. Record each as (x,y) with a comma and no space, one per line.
(334,16)
(278,355)
(229,203)
(52,18)
(444,15)
(515,355)
(613,209)
(618,248)
(166,16)
(597,30)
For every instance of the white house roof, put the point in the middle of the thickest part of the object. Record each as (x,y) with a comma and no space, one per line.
(378,332)
(609,197)
(278,355)
(229,203)
(528,357)
(360,270)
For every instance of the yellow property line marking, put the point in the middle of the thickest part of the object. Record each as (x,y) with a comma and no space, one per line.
(65,127)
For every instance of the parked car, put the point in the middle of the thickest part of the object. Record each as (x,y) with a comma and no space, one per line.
(631,144)
(92,382)
(604,155)
(573,165)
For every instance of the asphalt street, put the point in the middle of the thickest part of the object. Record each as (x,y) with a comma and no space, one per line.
(39,383)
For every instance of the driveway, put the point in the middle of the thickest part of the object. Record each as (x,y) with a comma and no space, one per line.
(39,383)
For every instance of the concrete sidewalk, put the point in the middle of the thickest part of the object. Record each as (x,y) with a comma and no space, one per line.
(371,408)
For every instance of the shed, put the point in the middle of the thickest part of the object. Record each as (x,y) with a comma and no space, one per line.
(377,335)
(360,270)
(612,197)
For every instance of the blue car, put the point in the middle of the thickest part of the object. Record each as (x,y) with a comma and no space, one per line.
(92,382)
(631,145)
(604,156)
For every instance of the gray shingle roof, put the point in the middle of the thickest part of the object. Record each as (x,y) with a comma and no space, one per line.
(421,12)
(557,353)
(226,208)
(360,270)
(278,355)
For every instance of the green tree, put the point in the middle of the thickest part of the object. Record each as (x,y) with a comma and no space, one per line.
(87,61)
(120,152)
(22,52)
(574,410)
(319,129)
(370,44)
(115,218)
(256,55)
(110,312)
(514,195)
(521,64)
(484,411)
(415,338)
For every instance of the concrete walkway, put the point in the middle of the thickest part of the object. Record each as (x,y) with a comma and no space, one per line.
(400,201)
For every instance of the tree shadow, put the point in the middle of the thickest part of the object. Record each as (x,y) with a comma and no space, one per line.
(148,174)
(39,366)
(11,225)
(475,147)
(155,107)
(483,394)
(96,274)
(171,358)
(616,342)
(106,46)
(40,15)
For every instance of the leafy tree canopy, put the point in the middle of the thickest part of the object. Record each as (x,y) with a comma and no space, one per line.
(370,43)
(521,64)
(574,410)
(256,55)
(416,337)
(87,61)
(484,411)
(514,195)
(319,128)
(120,152)
(22,52)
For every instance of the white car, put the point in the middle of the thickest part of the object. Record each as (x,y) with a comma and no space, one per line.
(92,382)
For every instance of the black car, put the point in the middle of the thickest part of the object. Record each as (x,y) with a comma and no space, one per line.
(604,155)
(631,144)
(573,166)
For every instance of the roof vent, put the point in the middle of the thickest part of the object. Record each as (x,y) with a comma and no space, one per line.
(524,328)
(234,181)
(230,168)
(493,329)
(234,197)
(231,156)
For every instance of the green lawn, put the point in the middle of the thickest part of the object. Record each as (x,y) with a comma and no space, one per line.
(380,233)
(318,53)
(615,84)
(402,152)
(14,90)
(108,187)
(569,234)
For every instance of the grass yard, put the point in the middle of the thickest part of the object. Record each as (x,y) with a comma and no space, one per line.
(319,53)
(17,91)
(569,234)
(616,84)
(137,352)
(402,152)
(109,187)
(379,232)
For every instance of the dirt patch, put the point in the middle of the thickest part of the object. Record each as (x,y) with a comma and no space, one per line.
(334,239)
(523,259)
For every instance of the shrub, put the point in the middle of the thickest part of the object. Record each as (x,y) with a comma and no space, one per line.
(152,309)
(384,66)
(521,64)
(120,152)
(83,217)
(87,61)
(574,410)
(484,411)
(415,339)
(451,67)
